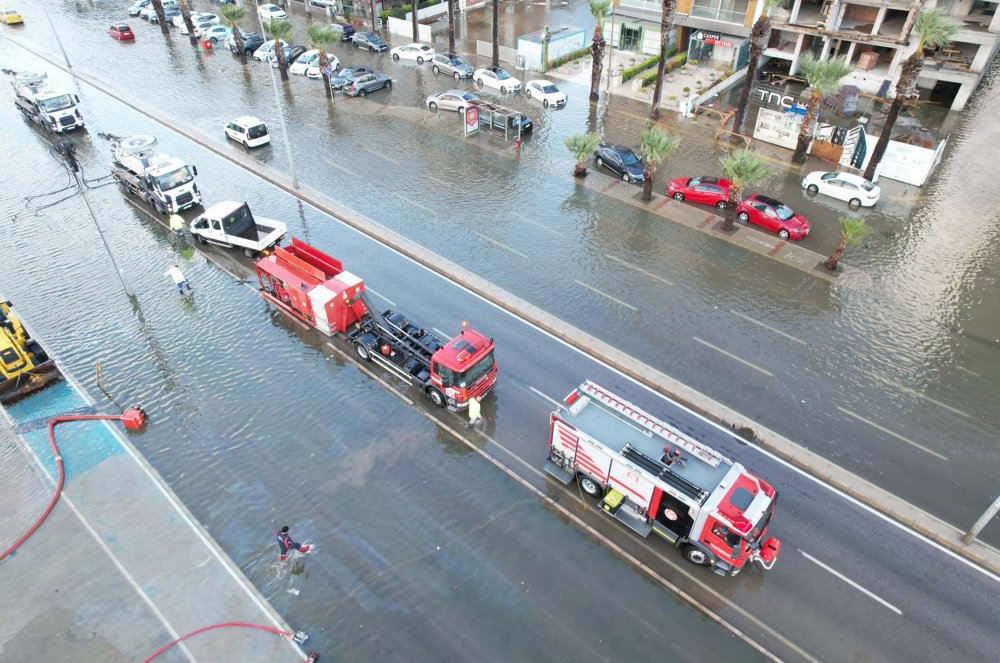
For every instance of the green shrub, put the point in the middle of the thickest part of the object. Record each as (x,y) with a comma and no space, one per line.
(575,55)
(632,72)
(668,67)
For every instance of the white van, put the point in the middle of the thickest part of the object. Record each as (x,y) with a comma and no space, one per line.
(249,130)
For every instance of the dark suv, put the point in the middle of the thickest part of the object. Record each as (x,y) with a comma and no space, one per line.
(346,30)
(251,42)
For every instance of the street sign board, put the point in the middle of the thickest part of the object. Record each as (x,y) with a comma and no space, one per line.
(471,120)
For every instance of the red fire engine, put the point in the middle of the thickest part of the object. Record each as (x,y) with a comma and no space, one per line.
(654,479)
(314,288)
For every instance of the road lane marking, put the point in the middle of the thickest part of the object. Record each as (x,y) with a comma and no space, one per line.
(339,167)
(768,327)
(499,243)
(889,432)
(548,398)
(376,154)
(638,269)
(380,296)
(851,582)
(732,356)
(968,370)
(914,392)
(438,180)
(604,294)
(415,204)
(537,224)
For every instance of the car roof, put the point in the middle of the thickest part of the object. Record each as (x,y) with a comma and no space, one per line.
(455,91)
(248,120)
(619,148)
(767,200)
(542,81)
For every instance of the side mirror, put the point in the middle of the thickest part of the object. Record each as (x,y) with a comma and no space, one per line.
(194,169)
(76,98)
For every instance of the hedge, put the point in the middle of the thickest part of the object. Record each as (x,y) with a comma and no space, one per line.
(632,72)
(569,57)
(667,68)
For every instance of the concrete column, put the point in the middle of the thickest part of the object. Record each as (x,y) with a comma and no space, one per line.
(793,69)
(983,56)
(879,19)
(962,97)
(850,52)
(995,22)
(795,11)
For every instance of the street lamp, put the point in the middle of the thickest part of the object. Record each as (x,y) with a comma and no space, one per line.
(56,33)
(281,117)
(978,526)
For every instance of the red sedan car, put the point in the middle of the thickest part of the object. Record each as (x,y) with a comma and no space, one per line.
(704,189)
(121,32)
(773,215)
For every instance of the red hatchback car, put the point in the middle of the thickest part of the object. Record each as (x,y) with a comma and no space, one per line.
(121,32)
(773,215)
(704,189)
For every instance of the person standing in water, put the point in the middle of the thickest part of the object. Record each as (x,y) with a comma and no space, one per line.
(285,543)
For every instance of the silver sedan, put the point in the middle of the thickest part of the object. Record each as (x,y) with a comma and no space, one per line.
(451,100)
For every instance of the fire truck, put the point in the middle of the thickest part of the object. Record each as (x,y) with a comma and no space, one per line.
(652,478)
(316,289)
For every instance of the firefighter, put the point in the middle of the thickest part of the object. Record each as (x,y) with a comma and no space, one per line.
(177,224)
(475,411)
(178,276)
(285,543)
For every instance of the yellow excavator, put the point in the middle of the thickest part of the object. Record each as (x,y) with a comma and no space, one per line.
(24,365)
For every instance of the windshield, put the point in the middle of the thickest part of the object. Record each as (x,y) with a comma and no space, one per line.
(761,525)
(502,75)
(629,158)
(784,213)
(549,89)
(174,178)
(484,366)
(62,102)
(457,60)
(258,131)
(868,186)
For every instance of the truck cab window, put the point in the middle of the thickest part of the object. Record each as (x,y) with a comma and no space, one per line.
(446,374)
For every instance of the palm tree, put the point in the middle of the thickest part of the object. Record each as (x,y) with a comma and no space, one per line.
(161,18)
(758,42)
(279,29)
(186,15)
(416,3)
(582,146)
(656,145)
(824,78)
(666,25)
(233,15)
(496,34)
(852,231)
(451,25)
(321,38)
(744,169)
(935,30)
(598,9)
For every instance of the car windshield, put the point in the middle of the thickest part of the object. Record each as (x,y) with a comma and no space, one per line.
(62,102)
(457,60)
(501,74)
(550,89)
(174,178)
(629,158)
(258,131)
(868,186)
(784,213)
(482,367)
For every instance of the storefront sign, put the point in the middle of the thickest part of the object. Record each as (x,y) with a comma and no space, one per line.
(784,100)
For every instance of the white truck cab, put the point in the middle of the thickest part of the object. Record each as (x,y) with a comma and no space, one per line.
(53,108)
(166,182)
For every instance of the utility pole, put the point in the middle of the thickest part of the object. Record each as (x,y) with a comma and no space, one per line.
(978,526)
(67,149)
(281,120)
(56,33)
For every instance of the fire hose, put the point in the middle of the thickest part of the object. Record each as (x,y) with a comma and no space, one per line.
(310,659)
(132,418)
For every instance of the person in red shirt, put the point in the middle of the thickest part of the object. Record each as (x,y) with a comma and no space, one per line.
(285,543)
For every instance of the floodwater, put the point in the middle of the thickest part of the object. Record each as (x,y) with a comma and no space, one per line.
(251,417)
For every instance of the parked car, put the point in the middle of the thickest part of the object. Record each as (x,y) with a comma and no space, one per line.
(450,100)
(546,92)
(622,161)
(773,215)
(265,51)
(270,12)
(249,130)
(169,14)
(419,52)
(449,63)
(149,12)
(292,53)
(704,189)
(138,6)
(200,25)
(855,190)
(215,34)
(121,32)
(314,71)
(370,41)
(310,59)
(360,86)
(346,30)
(178,20)
(347,73)
(497,78)
(251,42)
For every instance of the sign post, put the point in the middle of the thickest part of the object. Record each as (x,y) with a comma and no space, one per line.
(471,120)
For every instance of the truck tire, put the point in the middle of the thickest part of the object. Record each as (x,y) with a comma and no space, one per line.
(249,253)
(436,397)
(201,240)
(590,486)
(696,556)
(362,351)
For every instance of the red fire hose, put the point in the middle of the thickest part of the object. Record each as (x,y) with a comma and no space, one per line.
(132,418)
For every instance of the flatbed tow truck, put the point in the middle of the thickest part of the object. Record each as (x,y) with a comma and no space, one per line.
(315,288)
(24,365)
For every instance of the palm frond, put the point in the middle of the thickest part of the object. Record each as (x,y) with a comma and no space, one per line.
(934,27)
(582,145)
(824,76)
(853,229)
(657,144)
(745,168)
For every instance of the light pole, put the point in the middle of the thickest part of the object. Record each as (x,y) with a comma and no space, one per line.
(978,526)
(281,117)
(56,33)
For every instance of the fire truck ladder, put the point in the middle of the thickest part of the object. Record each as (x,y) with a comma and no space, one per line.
(664,473)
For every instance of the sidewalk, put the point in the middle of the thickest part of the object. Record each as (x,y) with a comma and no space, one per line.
(120,568)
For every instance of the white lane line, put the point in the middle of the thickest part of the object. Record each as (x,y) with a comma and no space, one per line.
(537,224)
(438,180)
(914,392)
(444,335)
(768,327)
(604,294)
(380,296)
(889,432)
(638,269)
(339,167)
(851,582)
(498,243)
(732,356)
(380,156)
(968,370)
(415,204)
(548,398)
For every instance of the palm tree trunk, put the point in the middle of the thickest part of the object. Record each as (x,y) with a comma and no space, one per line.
(451,25)
(808,127)
(416,4)
(907,76)
(186,15)
(732,203)
(597,51)
(581,169)
(161,18)
(240,44)
(647,182)
(324,64)
(832,261)
(279,53)
(758,38)
(666,25)
(496,33)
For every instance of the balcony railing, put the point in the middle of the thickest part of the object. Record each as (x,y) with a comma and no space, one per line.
(718,14)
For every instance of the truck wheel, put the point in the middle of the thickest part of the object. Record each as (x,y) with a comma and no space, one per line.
(696,556)
(249,253)
(590,486)
(436,397)
(362,351)
(201,240)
